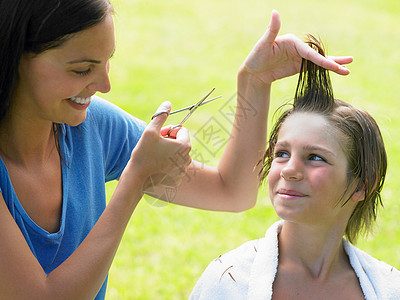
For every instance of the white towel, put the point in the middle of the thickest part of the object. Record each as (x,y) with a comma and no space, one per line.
(248,272)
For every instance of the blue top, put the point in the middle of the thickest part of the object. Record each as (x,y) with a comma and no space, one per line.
(94,152)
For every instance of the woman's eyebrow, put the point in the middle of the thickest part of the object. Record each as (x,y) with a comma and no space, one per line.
(86,60)
(78,61)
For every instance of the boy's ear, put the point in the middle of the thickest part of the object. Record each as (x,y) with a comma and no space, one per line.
(359,195)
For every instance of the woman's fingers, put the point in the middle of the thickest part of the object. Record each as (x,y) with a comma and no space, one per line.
(342,59)
(331,63)
(165,131)
(169,131)
(160,116)
(182,134)
(171,160)
(273,27)
(183,137)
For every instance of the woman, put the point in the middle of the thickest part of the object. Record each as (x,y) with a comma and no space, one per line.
(326,164)
(59,144)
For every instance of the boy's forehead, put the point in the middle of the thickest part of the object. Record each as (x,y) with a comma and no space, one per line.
(309,128)
(302,122)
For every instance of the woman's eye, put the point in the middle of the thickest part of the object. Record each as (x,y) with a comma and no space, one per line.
(316,157)
(82,73)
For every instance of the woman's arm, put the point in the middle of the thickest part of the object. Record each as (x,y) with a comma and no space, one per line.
(233,185)
(83,273)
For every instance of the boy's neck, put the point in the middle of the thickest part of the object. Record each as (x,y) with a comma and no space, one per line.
(318,250)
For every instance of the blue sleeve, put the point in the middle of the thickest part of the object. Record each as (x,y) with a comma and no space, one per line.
(119,132)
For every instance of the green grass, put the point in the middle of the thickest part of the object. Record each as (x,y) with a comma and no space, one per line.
(177,50)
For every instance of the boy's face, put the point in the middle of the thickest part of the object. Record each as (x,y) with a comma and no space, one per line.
(308,179)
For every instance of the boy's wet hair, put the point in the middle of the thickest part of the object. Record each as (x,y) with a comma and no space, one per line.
(361,141)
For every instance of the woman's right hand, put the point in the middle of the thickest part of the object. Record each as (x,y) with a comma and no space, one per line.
(159,160)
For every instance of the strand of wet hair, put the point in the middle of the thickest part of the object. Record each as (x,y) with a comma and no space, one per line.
(314,90)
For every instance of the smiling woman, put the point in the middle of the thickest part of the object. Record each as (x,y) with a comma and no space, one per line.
(63,74)
(41,96)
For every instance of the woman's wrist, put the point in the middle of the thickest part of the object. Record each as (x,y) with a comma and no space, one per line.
(251,86)
(252,78)
(131,181)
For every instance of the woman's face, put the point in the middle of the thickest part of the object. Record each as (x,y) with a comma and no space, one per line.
(308,176)
(56,85)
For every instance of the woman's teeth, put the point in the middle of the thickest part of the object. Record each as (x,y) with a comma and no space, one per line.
(80,100)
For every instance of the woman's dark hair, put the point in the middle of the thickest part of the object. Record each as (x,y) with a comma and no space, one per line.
(361,141)
(34,26)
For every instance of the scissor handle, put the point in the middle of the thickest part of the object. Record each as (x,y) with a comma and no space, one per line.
(172,128)
(191,111)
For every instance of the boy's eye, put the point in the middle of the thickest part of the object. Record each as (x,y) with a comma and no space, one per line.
(282,154)
(316,157)
(82,73)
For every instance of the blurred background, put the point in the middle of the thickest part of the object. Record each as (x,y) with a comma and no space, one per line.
(178,50)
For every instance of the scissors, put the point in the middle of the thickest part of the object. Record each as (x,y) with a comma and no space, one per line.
(191,109)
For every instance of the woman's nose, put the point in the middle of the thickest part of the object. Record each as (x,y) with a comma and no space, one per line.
(101,83)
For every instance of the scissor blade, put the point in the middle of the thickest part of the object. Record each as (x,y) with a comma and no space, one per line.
(193,109)
(191,106)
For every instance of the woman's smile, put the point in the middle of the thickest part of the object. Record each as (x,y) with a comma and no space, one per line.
(79,103)
(80,100)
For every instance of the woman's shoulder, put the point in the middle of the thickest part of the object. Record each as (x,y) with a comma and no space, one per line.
(109,123)
(105,122)
(104,111)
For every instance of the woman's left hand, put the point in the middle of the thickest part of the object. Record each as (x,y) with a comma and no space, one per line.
(274,57)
